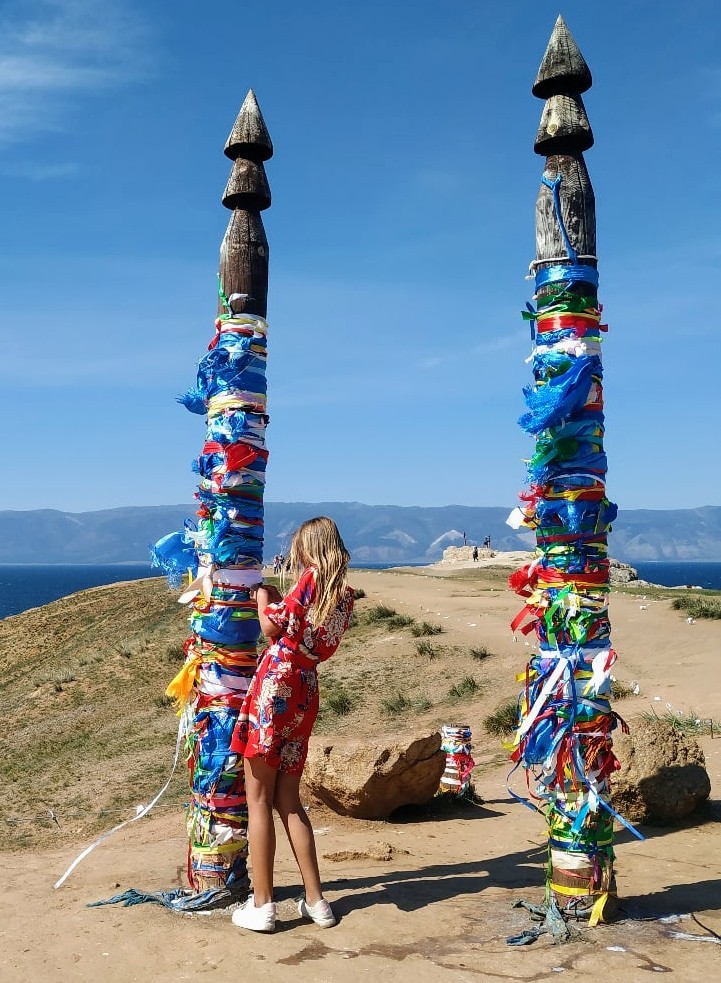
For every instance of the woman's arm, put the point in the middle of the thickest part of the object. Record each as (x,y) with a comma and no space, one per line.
(265,595)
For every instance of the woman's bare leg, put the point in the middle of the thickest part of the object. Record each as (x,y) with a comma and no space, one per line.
(260,784)
(300,833)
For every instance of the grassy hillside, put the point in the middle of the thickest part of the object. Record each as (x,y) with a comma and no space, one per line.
(89,733)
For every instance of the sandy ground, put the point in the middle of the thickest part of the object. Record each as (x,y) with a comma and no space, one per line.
(440,908)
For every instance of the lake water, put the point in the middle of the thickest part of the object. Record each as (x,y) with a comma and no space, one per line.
(30,585)
(24,586)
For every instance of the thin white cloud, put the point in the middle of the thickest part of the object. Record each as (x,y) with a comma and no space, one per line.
(500,344)
(40,171)
(54,52)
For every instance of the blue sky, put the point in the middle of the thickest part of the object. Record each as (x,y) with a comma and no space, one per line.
(404,183)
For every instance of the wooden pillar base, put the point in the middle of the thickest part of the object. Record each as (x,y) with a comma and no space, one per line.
(582,887)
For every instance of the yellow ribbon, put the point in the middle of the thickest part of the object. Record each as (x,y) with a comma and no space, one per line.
(181,686)
(597,910)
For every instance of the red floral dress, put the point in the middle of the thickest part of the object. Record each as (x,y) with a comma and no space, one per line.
(281,706)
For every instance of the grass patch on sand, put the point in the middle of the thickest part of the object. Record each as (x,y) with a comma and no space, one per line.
(379,612)
(398,703)
(686,722)
(425,628)
(339,701)
(399,621)
(426,649)
(697,606)
(621,690)
(387,617)
(463,690)
(337,698)
(479,653)
(503,721)
(175,653)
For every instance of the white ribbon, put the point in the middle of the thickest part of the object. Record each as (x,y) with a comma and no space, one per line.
(139,813)
(222,577)
(550,683)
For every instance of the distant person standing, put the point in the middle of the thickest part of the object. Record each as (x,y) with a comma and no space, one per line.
(475,554)
(487,543)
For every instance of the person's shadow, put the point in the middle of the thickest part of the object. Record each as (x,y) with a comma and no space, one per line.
(410,890)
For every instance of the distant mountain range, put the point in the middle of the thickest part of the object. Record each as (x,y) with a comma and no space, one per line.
(387,534)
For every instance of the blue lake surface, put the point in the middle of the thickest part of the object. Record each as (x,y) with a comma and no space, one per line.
(30,585)
(698,573)
(24,586)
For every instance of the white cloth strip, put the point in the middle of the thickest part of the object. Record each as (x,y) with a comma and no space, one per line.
(141,810)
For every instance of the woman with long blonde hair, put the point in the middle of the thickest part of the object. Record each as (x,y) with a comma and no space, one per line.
(304,628)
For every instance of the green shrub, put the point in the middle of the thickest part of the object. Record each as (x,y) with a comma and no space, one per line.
(399,621)
(395,704)
(698,607)
(686,722)
(379,613)
(426,628)
(620,690)
(425,648)
(503,720)
(339,701)
(175,652)
(467,687)
(479,654)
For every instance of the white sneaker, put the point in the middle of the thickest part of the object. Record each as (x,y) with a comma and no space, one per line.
(260,919)
(320,912)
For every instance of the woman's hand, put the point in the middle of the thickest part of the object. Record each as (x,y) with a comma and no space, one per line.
(266,594)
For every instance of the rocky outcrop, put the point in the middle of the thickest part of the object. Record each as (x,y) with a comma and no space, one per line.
(463,554)
(663,777)
(621,573)
(371,779)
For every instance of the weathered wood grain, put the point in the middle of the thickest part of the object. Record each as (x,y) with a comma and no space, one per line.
(244,250)
(563,67)
(247,186)
(244,262)
(564,127)
(249,136)
(578,209)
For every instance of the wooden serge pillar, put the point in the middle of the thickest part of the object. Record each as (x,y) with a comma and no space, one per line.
(565,720)
(244,250)
(221,652)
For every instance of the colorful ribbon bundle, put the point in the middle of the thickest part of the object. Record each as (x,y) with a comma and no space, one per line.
(564,736)
(223,553)
(456,742)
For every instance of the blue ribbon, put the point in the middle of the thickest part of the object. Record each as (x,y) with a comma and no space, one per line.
(580,273)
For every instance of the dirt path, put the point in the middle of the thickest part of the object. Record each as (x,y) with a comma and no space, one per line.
(439,909)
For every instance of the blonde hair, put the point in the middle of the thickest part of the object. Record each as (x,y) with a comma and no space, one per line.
(317,543)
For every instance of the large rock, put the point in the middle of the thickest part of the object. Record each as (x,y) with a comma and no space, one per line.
(663,777)
(621,573)
(371,779)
